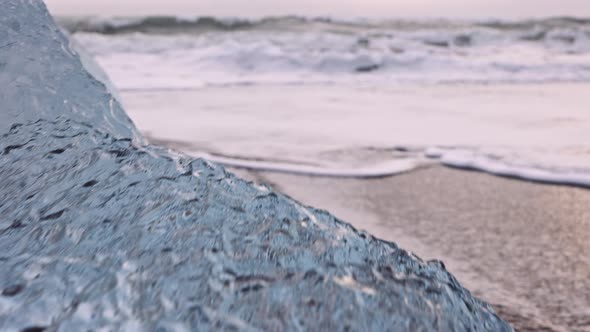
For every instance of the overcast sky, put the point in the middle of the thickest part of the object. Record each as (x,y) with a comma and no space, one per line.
(348,8)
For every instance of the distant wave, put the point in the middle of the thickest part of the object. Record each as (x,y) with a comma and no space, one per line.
(177,24)
(552,22)
(152,24)
(168,52)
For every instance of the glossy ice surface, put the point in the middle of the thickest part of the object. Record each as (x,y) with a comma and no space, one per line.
(99,232)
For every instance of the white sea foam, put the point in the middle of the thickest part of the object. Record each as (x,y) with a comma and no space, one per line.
(183,53)
(372,170)
(512,167)
(469,159)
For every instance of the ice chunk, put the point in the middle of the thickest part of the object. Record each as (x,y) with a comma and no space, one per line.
(43,78)
(98,232)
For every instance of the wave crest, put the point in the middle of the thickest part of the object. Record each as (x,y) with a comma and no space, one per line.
(177,24)
(168,24)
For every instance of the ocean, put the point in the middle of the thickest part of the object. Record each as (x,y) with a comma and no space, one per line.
(357,97)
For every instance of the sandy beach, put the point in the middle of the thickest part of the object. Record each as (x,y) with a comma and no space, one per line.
(516,244)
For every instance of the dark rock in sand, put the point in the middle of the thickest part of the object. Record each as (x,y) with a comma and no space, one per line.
(105,233)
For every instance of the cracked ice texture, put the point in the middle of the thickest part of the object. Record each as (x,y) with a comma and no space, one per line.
(101,232)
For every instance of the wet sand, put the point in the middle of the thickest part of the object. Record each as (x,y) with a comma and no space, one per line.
(521,246)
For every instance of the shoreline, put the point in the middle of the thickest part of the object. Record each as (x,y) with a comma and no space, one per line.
(516,244)
(380,130)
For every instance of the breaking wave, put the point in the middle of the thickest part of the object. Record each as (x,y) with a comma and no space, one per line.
(178,24)
(187,53)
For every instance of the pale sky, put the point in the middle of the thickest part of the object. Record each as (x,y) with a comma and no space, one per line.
(345,8)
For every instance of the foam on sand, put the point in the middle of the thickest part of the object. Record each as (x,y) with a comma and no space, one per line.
(474,160)
(382,169)
(183,53)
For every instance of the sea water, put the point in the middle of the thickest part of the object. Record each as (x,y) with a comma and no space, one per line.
(357,98)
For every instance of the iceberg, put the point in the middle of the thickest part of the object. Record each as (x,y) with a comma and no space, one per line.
(101,231)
